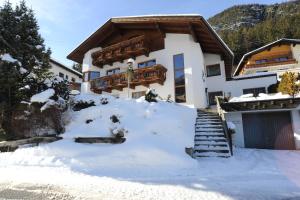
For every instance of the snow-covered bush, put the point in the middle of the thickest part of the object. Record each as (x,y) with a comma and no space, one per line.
(231,127)
(151,95)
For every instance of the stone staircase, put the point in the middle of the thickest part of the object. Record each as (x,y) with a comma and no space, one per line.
(210,140)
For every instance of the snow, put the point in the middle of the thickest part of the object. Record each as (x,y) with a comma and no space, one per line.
(23,70)
(255,75)
(231,125)
(261,96)
(8,58)
(39,46)
(151,163)
(43,96)
(74,92)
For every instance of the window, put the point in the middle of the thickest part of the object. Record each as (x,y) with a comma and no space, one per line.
(112,71)
(212,97)
(261,61)
(213,70)
(67,77)
(136,95)
(254,91)
(180,96)
(87,76)
(94,75)
(73,79)
(282,59)
(148,63)
(61,75)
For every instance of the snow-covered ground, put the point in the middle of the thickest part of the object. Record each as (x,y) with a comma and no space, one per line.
(151,164)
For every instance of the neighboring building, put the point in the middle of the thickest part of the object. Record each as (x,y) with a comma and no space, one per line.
(66,73)
(177,55)
(280,56)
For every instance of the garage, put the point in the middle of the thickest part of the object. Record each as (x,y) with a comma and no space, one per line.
(268,130)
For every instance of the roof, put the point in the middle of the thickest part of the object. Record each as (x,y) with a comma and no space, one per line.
(261,105)
(187,23)
(277,42)
(65,67)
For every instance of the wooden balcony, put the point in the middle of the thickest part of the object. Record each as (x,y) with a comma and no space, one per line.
(142,76)
(118,52)
(272,63)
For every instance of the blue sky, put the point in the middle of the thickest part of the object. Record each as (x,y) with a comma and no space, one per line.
(64,24)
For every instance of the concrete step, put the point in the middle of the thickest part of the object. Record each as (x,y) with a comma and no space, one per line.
(208,130)
(211,142)
(211,154)
(211,148)
(213,127)
(209,134)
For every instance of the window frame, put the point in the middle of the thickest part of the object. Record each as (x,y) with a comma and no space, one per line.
(113,70)
(214,65)
(144,62)
(61,75)
(181,85)
(87,76)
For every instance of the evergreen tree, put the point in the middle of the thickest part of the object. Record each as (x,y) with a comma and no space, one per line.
(77,67)
(26,75)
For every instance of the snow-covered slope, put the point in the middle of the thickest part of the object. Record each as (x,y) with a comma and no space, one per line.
(157,134)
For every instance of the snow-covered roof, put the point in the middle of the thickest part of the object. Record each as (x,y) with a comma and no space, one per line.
(285,40)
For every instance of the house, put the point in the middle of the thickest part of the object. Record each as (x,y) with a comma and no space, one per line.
(177,55)
(66,73)
(280,56)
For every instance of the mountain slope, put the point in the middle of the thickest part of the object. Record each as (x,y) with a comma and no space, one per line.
(247,27)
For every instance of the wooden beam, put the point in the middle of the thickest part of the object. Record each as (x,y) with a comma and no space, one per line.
(159,29)
(193,33)
(117,29)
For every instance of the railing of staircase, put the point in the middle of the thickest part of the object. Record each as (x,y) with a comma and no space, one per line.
(228,135)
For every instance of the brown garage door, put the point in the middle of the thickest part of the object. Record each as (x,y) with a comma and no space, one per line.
(271,130)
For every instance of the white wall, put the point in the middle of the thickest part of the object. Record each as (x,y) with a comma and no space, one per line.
(235,87)
(238,136)
(296,52)
(174,44)
(296,126)
(55,69)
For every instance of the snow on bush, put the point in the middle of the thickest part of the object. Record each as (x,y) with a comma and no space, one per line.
(43,96)
(8,58)
(231,125)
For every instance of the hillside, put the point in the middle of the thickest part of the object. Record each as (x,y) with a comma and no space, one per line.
(247,27)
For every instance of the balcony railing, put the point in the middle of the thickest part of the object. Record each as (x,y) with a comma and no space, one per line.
(141,76)
(272,63)
(130,48)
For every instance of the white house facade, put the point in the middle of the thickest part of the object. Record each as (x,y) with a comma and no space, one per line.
(196,64)
(64,72)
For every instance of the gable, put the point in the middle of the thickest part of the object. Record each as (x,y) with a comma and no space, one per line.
(155,27)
